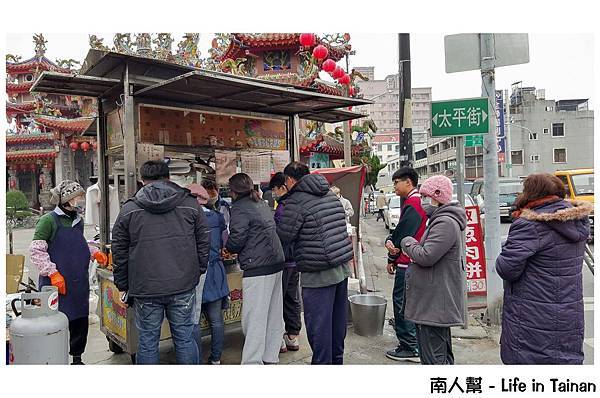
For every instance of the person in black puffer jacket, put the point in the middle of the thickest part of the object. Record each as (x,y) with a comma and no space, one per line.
(160,244)
(252,234)
(315,222)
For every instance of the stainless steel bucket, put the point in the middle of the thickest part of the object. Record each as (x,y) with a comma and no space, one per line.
(368,314)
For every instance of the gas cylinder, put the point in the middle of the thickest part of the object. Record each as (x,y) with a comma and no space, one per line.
(40,334)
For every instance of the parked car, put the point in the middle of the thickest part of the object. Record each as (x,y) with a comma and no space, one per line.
(391,215)
(579,184)
(508,190)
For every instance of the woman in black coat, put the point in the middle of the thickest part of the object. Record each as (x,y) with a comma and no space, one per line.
(252,234)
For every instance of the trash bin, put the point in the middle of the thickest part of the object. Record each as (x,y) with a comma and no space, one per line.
(368,314)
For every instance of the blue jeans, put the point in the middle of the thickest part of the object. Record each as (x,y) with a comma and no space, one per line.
(406,331)
(213,312)
(149,314)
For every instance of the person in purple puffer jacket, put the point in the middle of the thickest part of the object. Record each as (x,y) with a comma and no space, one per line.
(541,264)
(291,277)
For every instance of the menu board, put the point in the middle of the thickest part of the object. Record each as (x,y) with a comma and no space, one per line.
(114,128)
(280,160)
(193,128)
(257,165)
(226,166)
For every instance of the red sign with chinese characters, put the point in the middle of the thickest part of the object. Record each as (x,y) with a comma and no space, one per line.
(476,275)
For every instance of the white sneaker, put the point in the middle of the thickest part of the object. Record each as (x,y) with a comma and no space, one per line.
(283,347)
(215,362)
(291,344)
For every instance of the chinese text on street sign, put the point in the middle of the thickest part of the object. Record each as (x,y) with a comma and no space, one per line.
(476,275)
(460,117)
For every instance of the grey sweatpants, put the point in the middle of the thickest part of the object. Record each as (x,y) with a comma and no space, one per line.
(262,318)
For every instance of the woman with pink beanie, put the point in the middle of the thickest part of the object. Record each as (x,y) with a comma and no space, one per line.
(435,277)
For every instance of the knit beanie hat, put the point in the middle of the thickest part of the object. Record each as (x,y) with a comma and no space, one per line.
(65,191)
(438,187)
(200,192)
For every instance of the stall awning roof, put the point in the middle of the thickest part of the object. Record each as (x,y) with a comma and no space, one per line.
(233,92)
(73,84)
(203,88)
(334,116)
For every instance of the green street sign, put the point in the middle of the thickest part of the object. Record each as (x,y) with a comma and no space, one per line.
(460,117)
(473,140)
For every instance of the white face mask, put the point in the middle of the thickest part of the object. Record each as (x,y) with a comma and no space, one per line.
(78,205)
(425,201)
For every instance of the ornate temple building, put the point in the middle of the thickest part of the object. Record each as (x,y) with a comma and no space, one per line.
(294,59)
(43,142)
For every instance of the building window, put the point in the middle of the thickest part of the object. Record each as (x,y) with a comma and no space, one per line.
(560,155)
(397,148)
(533,136)
(516,157)
(546,131)
(534,158)
(379,147)
(558,129)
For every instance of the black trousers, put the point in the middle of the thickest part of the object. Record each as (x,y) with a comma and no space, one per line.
(379,214)
(78,331)
(435,345)
(291,301)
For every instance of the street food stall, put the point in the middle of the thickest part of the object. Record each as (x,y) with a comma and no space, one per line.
(207,124)
(351,181)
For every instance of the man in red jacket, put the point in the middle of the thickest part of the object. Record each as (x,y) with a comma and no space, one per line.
(412,222)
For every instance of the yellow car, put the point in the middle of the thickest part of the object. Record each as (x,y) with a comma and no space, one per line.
(579,184)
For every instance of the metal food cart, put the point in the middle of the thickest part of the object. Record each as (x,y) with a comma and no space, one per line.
(133,93)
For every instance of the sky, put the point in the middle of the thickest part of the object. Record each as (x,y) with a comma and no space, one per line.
(562,64)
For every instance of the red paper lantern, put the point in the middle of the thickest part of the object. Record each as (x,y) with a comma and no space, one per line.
(345,79)
(85,146)
(329,65)
(338,72)
(12,183)
(33,167)
(73,145)
(307,39)
(320,52)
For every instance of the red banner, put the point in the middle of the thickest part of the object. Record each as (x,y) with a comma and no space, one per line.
(476,274)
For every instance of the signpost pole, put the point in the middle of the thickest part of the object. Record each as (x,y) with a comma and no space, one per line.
(490,174)
(460,194)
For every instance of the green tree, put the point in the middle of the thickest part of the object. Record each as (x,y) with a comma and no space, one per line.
(17,208)
(374,167)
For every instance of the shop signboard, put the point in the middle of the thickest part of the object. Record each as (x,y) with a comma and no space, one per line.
(475,255)
(114,313)
(171,126)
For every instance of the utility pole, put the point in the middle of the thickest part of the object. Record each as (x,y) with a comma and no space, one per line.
(404,105)
(507,132)
(490,174)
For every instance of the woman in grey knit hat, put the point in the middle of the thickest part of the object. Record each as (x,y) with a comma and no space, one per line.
(61,253)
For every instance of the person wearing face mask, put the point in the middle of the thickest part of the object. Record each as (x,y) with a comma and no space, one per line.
(215,201)
(412,222)
(291,277)
(435,279)
(62,256)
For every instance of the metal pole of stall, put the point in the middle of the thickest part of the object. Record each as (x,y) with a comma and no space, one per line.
(129,141)
(103,177)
